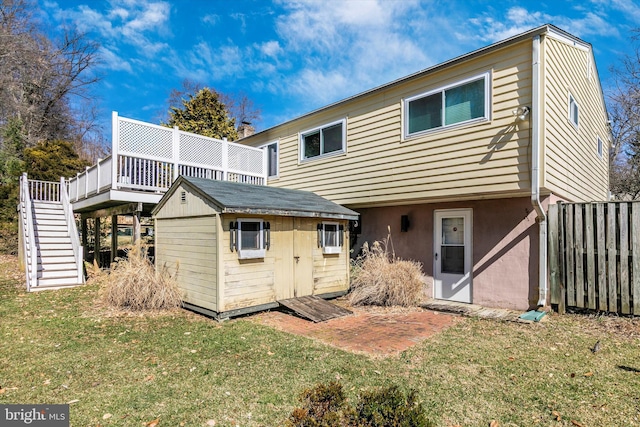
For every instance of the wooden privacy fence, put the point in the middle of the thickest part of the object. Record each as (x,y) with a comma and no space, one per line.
(594,256)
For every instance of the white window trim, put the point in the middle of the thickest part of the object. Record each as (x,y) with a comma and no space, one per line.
(264,147)
(251,253)
(331,249)
(572,100)
(600,147)
(487,106)
(301,135)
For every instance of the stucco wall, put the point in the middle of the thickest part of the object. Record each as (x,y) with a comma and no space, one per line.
(505,246)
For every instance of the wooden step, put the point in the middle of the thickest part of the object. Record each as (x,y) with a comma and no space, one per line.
(58,274)
(40,217)
(48,205)
(58,282)
(57,266)
(57,259)
(62,239)
(47,253)
(51,233)
(55,246)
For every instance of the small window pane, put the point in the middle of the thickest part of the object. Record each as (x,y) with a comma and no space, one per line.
(330,235)
(250,235)
(332,138)
(452,259)
(464,102)
(312,144)
(453,231)
(425,113)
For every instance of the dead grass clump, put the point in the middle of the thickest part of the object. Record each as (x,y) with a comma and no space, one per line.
(379,278)
(135,284)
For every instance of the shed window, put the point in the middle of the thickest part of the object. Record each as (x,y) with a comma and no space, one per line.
(250,238)
(462,102)
(331,237)
(323,140)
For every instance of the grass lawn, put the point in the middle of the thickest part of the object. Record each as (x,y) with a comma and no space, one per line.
(185,369)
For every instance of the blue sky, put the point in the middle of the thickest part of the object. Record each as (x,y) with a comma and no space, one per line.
(293,56)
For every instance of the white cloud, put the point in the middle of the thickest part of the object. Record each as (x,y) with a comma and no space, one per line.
(112,61)
(211,19)
(271,48)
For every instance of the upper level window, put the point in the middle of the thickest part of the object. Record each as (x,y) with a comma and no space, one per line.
(600,147)
(462,102)
(323,140)
(573,110)
(272,158)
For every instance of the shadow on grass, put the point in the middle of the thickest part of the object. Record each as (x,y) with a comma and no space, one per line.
(629,369)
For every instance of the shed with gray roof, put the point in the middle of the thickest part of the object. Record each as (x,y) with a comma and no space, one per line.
(236,248)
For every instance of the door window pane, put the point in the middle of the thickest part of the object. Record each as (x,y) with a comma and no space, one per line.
(452,259)
(453,231)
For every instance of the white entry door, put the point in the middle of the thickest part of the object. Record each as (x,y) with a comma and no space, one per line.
(452,255)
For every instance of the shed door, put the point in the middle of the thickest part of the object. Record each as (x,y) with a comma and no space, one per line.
(452,255)
(304,243)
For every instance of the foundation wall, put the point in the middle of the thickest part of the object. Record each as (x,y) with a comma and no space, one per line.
(505,239)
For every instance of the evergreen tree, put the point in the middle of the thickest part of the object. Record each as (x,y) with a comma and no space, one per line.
(204,114)
(50,160)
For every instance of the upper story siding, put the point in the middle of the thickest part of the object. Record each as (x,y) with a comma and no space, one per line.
(573,168)
(484,159)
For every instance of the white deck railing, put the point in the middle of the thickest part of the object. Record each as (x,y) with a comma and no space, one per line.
(150,157)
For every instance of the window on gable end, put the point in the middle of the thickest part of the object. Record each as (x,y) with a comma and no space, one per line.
(600,147)
(574,111)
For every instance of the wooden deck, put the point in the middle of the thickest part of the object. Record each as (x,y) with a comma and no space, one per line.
(314,308)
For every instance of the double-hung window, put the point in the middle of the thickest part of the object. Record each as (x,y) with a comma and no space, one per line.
(574,110)
(331,237)
(323,140)
(463,102)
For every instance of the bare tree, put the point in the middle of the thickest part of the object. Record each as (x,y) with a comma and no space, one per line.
(39,75)
(624,112)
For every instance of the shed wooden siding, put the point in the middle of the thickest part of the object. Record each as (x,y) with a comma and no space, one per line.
(188,245)
(573,169)
(194,205)
(380,167)
(260,281)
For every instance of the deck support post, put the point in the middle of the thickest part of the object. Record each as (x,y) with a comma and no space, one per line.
(85,232)
(96,241)
(114,237)
(136,223)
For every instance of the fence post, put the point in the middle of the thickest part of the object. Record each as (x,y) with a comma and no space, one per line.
(225,159)
(602,256)
(635,252)
(612,256)
(624,259)
(591,255)
(554,259)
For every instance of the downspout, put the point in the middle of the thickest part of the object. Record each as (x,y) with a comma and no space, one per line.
(535,173)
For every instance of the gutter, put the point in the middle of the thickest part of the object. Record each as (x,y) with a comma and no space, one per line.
(535,173)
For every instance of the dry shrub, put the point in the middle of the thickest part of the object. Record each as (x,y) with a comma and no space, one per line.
(135,284)
(379,278)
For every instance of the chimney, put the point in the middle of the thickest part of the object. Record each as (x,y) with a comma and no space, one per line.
(245,129)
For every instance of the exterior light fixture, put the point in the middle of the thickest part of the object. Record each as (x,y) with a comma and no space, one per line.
(521,113)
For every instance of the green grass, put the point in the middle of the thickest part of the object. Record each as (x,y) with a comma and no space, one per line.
(185,369)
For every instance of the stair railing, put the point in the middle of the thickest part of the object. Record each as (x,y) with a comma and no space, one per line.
(29,246)
(72,229)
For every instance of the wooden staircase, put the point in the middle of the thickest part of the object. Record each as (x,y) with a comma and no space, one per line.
(51,261)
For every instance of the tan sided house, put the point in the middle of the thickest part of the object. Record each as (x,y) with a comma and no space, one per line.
(461,160)
(237,248)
